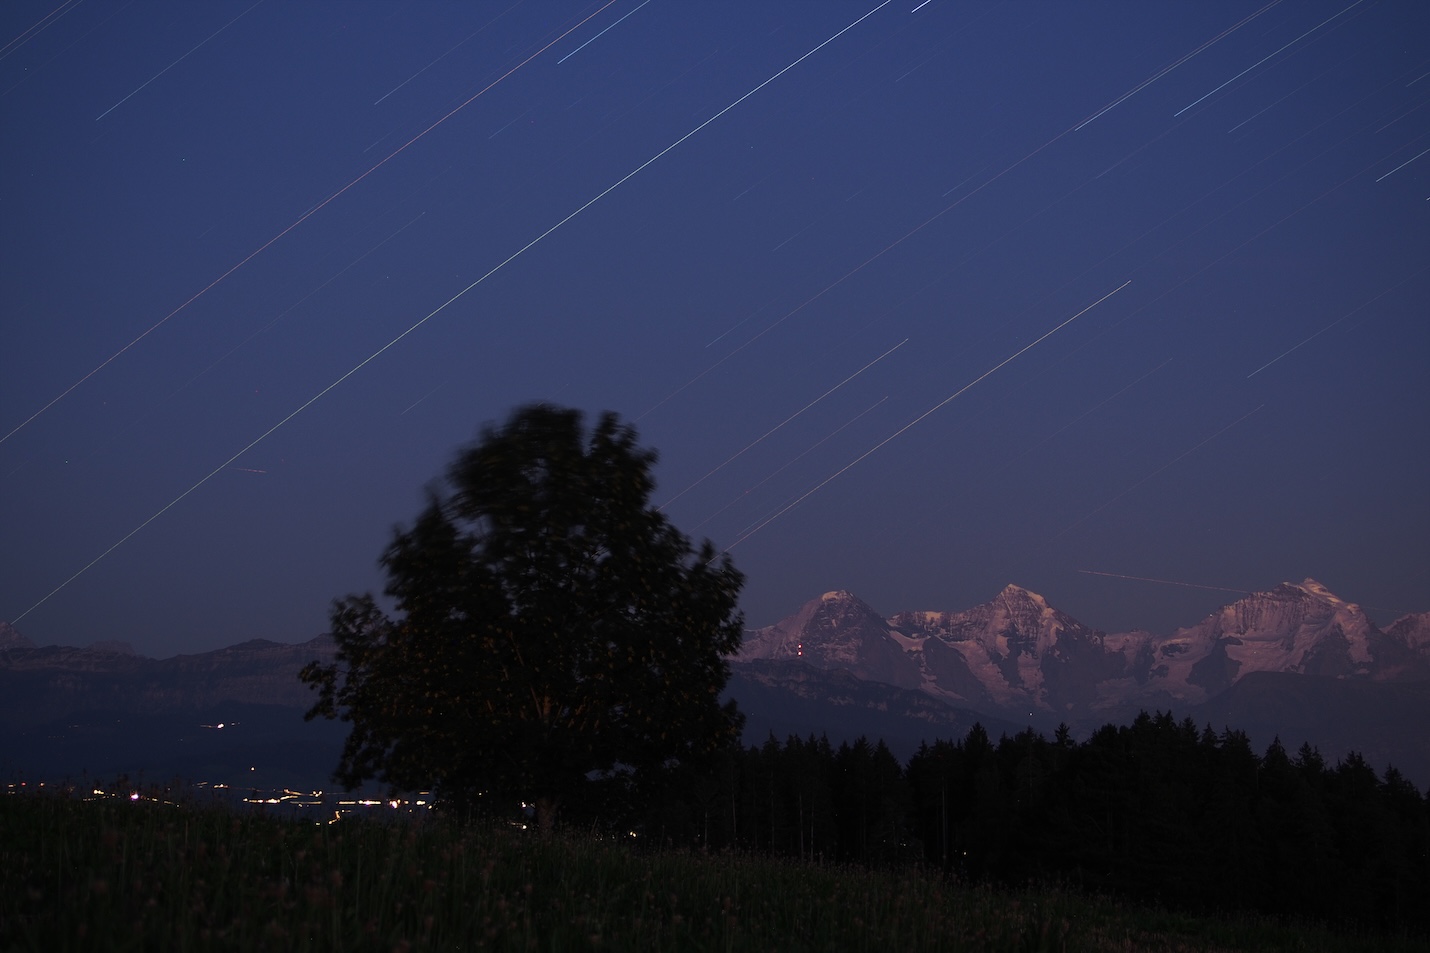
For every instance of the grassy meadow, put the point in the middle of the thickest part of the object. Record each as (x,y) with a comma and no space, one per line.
(114,874)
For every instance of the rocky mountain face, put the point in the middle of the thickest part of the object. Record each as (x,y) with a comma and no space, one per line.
(1412,631)
(1017,656)
(12,639)
(780,698)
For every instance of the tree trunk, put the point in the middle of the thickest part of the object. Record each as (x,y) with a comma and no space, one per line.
(546,806)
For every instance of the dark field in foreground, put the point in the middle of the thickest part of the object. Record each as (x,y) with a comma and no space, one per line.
(113,874)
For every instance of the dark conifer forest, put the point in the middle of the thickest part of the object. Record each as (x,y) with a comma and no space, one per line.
(1159,811)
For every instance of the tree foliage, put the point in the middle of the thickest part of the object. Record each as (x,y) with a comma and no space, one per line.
(552,633)
(1158,811)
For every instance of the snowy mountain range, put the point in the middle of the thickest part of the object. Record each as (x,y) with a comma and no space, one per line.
(1296,662)
(1019,657)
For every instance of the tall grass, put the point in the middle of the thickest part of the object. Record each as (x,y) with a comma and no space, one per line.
(114,874)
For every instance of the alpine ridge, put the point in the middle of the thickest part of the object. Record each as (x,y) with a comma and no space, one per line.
(1295,662)
(1018,656)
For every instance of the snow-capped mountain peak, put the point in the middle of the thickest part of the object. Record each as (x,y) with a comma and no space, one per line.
(836,631)
(1315,589)
(1292,628)
(1018,593)
(1018,653)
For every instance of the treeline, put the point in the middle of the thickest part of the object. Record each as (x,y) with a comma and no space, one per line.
(1158,811)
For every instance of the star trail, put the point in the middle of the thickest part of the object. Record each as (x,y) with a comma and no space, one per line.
(266,266)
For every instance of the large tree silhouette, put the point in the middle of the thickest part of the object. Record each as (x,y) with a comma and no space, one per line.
(553,633)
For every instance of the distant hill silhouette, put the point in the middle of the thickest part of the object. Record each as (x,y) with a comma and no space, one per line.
(105,711)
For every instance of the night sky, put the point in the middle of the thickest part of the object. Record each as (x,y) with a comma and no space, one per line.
(914,300)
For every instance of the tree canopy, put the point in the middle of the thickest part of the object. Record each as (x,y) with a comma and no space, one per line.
(551,630)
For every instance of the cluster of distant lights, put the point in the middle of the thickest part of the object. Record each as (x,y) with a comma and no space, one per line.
(288,797)
(311,799)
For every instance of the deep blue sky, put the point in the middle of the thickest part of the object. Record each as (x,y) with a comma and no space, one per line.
(925,177)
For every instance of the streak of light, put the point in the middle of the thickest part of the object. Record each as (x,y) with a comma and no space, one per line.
(1165,582)
(740,323)
(43,24)
(851,272)
(375,143)
(176,62)
(300,220)
(943,403)
(815,221)
(1287,96)
(247,470)
(777,426)
(1293,92)
(421,399)
(964,182)
(509,125)
(288,310)
(1268,56)
(939,51)
(443,306)
(610,118)
(1086,413)
(877,255)
(792,461)
(29,74)
(444,55)
(1349,313)
(1167,69)
(1150,142)
(948,272)
(597,36)
(1223,257)
(796,235)
(1282,178)
(231,351)
(1416,108)
(171,504)
(1276,224)
(751,188)
(1133,241)
(1403,164)
(681,389)
(1178,458)
(1271,106)
(921,6)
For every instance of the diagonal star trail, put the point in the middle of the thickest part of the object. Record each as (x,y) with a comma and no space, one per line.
(941,404)
(299,221)
(444,305)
